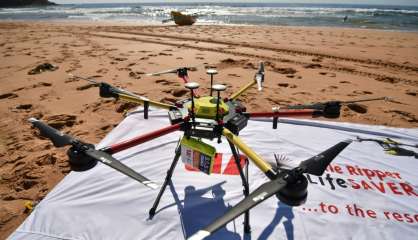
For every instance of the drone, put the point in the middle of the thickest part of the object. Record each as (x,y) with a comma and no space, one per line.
(213,118)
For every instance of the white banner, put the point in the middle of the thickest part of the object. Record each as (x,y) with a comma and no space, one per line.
(365,193)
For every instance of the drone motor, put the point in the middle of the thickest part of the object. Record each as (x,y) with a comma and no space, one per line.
(295,193)
(79,161)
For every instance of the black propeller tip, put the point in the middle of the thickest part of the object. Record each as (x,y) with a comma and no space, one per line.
(317,164)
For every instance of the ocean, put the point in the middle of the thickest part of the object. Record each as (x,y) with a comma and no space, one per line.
(399,18)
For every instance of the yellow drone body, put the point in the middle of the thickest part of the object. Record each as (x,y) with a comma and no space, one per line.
(205,107)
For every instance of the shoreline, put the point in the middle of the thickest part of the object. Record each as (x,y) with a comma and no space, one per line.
(157,23)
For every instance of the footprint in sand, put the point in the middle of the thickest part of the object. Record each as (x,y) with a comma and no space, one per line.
(287,71)
(302,93)
(329,74)
(411,93)
(24,106)
(87,86)
(136,74)
(287,85)
(8,95)
(102,71)
(179,92)
(407,116)
(164,82)
(233,75)
(361,92)
(313,66)
(347,82)
(61,120)
(41,84)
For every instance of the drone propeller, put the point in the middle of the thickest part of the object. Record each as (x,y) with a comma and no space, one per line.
(316,165)
(80,150)
(259,76)
(286,182)
(58,138)
(174,70)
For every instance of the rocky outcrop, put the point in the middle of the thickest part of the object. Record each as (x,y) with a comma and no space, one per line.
(25,3)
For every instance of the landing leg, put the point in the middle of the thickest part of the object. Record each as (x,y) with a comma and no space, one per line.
(166,181)
(244,179)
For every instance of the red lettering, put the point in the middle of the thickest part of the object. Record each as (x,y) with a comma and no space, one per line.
(371,213)
(408,189)
(408,219)
(365,185)
(381,175)
(369,173)
(351,170)
(379,186)
(397,216)
(354,185)
(394,189)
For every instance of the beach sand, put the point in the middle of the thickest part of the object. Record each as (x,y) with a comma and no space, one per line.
(303,65)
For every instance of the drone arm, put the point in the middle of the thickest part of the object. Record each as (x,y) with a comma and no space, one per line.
(134,99)
(283,113)
(258,161)
(112,149)
(243,89)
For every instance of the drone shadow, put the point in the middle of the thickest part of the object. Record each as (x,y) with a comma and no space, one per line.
(282,211)
(197,211)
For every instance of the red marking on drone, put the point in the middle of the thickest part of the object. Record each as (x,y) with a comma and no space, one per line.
(230,169)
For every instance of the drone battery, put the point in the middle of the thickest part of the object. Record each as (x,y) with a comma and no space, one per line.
(175,116)
(197,154)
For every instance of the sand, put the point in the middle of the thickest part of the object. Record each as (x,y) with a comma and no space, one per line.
(302,65)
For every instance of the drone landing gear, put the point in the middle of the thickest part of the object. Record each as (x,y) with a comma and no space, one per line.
(170,171)
(244,178)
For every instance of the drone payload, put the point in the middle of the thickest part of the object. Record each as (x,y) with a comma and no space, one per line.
(209,117)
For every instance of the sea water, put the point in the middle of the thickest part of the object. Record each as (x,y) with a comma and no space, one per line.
(404,18)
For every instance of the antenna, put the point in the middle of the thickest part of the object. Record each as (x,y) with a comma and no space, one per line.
(219,88)
(191,86)
(211,72)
